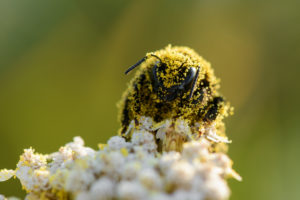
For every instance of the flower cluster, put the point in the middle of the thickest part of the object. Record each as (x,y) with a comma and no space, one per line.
(125,170)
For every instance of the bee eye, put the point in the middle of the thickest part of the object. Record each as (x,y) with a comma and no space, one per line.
(157,82)
(195,78)
(188,82)
(189,77)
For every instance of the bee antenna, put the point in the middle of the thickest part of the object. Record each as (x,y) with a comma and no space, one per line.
(194,83)
(156,57)
(135,65)
(140,62)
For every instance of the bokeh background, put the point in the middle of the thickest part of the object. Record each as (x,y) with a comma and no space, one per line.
(62,69)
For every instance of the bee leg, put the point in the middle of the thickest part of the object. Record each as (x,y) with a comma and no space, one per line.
(127,134)
(213,109)
(202,91)
(200,98)
(125,117)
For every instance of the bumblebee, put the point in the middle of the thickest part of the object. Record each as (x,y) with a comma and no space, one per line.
(174,83)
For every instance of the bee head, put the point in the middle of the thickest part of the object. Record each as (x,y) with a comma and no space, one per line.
(171,81)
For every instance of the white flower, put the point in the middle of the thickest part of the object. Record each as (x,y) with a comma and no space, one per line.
(150,179)
(83,196)
(102,189)
(112,164)
(33,179)
(77,146)
(144,138)
(131,190)
(146,123)
(180,174)
(6,174)
(79,179)
(68,153)
(196,149)
(34,160)
(224,162)
(187,195)
(216,189)
(168,159)
(59,159)
(160,196)
(116,143)
(130,170)
(32,196)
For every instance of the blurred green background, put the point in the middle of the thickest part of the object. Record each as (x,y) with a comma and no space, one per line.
(62,69)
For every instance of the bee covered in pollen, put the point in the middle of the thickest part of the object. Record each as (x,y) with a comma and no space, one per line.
(174,83)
